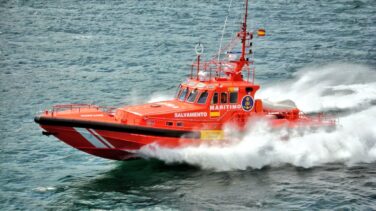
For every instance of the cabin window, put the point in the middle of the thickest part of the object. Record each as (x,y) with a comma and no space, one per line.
(202,98)
(169,123)
(233,97)
(183,94)
(150,122)
(192,96)
(248,90)
(179,92)
(224,97)
(215,99)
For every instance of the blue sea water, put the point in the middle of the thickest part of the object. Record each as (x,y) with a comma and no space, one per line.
(321,53)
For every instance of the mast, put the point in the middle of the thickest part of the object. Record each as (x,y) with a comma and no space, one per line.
(244,30)
(236,75)
(232,68)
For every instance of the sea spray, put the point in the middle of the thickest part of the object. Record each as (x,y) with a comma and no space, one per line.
(157,97)
(332,87)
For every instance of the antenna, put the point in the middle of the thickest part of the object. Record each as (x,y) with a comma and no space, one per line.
(199,50)
(223,30)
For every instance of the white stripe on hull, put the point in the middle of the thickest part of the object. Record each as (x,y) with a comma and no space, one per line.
(101,138)
(90,138)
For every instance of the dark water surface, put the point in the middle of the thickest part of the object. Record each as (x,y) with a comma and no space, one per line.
(123,52)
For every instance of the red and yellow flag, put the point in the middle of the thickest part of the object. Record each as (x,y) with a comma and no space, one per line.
(261,32)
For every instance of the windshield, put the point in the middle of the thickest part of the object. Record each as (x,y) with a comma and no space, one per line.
(192,96)
(202,98)
(178,92)
(183,94)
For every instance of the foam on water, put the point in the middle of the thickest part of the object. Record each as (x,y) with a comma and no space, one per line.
(44,189)
(332,87)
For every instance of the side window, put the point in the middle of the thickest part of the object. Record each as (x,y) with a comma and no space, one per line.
(233,97)
(224,97)
(183,94)
(192,96)
(215,99)
(202,98)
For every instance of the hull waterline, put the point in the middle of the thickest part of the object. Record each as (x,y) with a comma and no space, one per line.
(108,140)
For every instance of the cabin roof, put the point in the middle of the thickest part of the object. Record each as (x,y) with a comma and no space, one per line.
(214,84)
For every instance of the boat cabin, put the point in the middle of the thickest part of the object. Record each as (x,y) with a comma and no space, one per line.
(215,93)
(205,104)
(219,95)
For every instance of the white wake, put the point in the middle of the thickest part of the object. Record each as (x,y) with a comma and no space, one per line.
(348,89)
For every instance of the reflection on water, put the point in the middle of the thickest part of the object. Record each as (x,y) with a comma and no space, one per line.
(140,183)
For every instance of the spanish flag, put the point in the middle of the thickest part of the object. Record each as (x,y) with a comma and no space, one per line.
(215,114)
(261,32)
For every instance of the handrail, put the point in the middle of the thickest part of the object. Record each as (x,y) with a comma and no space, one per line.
(320,117)
(78,107)
(219,68)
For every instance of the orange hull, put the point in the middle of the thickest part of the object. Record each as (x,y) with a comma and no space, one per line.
(87,128)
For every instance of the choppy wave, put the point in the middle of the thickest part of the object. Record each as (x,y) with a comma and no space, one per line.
(334,87)
(330,87)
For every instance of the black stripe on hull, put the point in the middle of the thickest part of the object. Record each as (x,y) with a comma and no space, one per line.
(117,127)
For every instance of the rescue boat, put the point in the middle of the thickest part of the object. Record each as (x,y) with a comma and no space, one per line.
(218,91)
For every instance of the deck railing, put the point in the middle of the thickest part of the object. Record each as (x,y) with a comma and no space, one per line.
(79,107)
